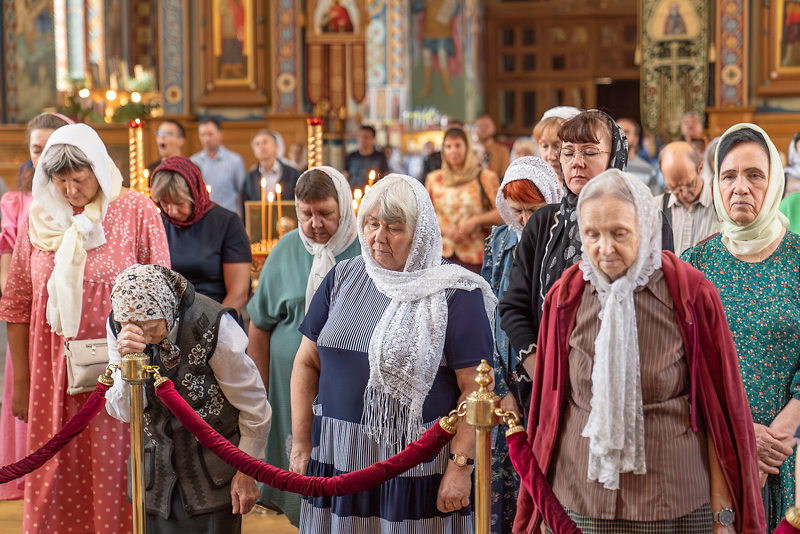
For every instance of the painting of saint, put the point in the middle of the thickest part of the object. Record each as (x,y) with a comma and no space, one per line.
(35,65)
(440,42)
(336,17)
(790,38)
(674,24)
(231,46)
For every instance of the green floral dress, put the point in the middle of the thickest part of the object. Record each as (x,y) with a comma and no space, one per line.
(762,304)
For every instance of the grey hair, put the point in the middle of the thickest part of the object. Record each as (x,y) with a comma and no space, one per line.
(395,200)
(610,182)
(61,158)
(170,184)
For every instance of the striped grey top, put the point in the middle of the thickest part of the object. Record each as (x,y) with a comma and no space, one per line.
(677,478)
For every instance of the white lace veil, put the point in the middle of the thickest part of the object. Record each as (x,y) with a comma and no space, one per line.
(616,422)
(325,254)
(543,177)
(407,344)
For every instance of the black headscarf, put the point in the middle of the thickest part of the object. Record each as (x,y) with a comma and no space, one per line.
(564,247)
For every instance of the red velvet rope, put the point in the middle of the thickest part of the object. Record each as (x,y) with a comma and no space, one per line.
(420,451)
(785,528)
(539,489)
(74,427)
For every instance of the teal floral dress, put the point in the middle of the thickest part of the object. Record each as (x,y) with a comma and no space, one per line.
(762,304)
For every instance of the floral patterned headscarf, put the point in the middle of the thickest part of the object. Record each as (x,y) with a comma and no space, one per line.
(147,292)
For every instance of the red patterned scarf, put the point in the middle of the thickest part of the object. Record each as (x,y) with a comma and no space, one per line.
(197,188)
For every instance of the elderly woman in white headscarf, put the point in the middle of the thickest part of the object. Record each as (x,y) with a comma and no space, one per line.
(529,184)
(639,417)
(84,228)
(390,344)
(292,273)
(754,261)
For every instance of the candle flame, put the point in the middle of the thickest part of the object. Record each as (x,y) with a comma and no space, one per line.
(278,189)
(263,183)
(355,204)
(366,189)
(208,188)
(371,175)
(270,196)
(357,194)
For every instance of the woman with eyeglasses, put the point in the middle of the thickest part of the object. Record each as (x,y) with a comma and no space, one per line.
(550,244)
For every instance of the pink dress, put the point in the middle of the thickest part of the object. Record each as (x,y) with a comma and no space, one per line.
(13,432)
(83,489)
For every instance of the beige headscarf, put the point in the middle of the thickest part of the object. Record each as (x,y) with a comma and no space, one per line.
(766,227)
(55,227)
(467,173)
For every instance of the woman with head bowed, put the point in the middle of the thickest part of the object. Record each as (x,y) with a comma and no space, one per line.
(591,143)
(294,269)
(390,343)
(14,209)
(639,417)
(84,228)
(529,184)
(208,244)
(463,195)
(755,263)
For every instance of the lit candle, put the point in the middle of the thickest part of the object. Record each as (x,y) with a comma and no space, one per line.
(270,198)
(263,209)
(371,178)
(357,194)
(208,188)
(355,206)
(280,210)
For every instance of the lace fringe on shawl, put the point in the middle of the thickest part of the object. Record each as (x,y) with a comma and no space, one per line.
(615,426)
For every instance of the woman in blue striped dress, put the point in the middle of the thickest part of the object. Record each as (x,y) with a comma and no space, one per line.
(390,344)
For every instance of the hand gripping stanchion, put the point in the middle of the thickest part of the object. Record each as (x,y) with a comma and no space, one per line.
(482,412)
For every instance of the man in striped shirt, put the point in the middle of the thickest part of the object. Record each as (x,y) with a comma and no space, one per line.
(687,201)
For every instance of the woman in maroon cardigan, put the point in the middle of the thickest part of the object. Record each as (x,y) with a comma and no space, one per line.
(638,417)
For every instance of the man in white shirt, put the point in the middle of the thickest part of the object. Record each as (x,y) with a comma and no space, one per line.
(222,169)
(687,201)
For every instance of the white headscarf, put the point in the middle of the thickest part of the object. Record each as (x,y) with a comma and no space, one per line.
(615,427)
(325,254)
(55,227)
(766,227)
(543,177)
(564,112)
(408,342)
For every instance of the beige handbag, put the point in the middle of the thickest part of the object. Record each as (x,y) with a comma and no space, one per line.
(87,359)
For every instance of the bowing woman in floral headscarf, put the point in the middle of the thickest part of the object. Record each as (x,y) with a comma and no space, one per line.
(755,263)
(591,143)
(529,184)
(84,228)
(390,344)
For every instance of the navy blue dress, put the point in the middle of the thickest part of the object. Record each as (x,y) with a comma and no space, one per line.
(198,251)
(341,319)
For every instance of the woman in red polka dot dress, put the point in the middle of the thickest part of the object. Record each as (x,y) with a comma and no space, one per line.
(83,230)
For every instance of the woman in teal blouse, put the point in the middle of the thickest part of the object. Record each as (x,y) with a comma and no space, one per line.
(292,273)
(755,264)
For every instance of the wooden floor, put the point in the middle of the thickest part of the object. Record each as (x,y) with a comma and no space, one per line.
(254,522)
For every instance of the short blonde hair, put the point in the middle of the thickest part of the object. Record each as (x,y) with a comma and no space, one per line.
(395,201)
(546,124)
(170,184)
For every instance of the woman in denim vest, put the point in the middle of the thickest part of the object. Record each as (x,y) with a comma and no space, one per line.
(529,184)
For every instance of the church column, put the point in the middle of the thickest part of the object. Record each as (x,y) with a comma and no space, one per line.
(174,52)
(287,60)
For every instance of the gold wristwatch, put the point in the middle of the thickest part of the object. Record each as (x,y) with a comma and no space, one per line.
(461,460)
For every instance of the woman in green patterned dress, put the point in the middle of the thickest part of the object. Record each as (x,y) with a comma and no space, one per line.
(755,264)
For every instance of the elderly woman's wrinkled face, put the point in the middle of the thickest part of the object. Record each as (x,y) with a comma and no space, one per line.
(79,187)
(389,243)
(743,182)
(153,331)
(178,209)
(583,161)
(523,211)
(610,233)
(319,218)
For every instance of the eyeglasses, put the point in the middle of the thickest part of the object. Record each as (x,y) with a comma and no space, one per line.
(683,189)
(165,133)
(589,155)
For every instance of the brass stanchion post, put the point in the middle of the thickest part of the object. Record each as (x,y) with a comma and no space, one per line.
(135,369)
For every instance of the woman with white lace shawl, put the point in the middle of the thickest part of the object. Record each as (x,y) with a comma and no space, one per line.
(639,417)
(529,184)
(391,342)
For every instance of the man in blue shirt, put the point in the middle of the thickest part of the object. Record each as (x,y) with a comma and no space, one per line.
(222,169)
